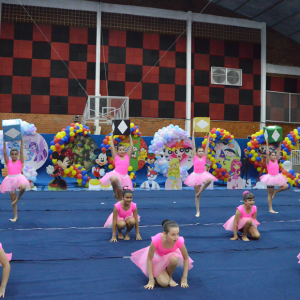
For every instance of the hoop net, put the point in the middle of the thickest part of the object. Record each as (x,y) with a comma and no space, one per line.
(104,108)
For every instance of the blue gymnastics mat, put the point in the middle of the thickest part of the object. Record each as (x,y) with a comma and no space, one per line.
(61,250)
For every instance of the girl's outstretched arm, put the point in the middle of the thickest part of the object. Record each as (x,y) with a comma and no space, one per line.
(235,222)
(193,143)
(5,152)
(278,152)
(5,273)
(112,146)
(267,152)
(130,149)
(114,225)
(207,145)
(151,282)
(185,255)
(21,152)
(137,228)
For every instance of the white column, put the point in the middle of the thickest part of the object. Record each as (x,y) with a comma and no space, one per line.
(263,37)
(188,73)
(97,75)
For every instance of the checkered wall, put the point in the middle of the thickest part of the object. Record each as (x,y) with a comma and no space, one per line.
(277,104)
(33,79)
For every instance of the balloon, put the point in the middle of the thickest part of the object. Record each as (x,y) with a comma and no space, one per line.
(287,165)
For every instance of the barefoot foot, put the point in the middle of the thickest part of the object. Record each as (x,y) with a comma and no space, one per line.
(245,239)
(197,214)
(14,219)
(120,235)
(273,211)
(127,237)
(172,283)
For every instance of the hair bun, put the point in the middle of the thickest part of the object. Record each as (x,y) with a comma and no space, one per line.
(164,221)
(246,192)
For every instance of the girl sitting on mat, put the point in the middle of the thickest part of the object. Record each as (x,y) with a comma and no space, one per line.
(244,219)
(199,176)
(4,261)
(14,180)
(124,215)
(273,178)
(161,258)
(119,176)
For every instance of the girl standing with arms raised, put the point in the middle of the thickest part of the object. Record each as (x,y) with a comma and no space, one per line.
(199,176)
(119,177)
(161,258)
(273,178)
(14,179)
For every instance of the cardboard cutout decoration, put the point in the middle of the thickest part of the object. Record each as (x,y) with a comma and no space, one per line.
(150,183)
(235,181)
(173,182)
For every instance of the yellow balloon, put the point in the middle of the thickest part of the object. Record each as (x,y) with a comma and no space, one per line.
(208,156)
(252,151)
(66,171)
(259,169)
(54,161)
(214,173)
(71,128)
(214,135)
(62,146)
(218,129)
(72,133)
(74,172)
(249,144)
(132,174)
(53,148)
(110,167)
(214,166)
(79,180)
(130,168)
(255,154)
(71,168)
(85,132)
(131,125)
(213,144)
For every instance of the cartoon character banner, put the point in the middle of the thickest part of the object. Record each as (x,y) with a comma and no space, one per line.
(139,153)
(35,150)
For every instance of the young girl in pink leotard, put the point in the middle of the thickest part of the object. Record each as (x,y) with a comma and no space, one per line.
(161,258)
(4,261)
(119,176)
(244,219)
(124,215)
(199,176)
(273,178)
(15,179)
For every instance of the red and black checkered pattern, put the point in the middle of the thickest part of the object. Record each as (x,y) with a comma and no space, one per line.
(278,104)
(33,79)
(226,102)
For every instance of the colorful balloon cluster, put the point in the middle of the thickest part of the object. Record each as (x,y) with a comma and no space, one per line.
(253,146)
(216,135)
(134,130)
(28,129)
(30,173)
(289,143)
(64,137)
(164,136)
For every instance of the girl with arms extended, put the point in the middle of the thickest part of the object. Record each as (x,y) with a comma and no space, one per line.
(124,215)
(199,176)
(244,219)
(161,258)
(273,178)
(119,177)
(14,179)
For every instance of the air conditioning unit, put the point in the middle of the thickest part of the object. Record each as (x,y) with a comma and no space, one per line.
(226,76)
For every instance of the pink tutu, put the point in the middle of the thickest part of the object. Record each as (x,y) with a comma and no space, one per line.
(197,179)
(8,255)
(298,258)
(159,263)
(124,180)
(241,223)
(12,182)
(108,223)
(276,180)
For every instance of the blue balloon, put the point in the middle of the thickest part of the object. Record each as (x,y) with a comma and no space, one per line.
(61,142)
(166,137)
(84,178)
(292,172)
(258,158)
(50,152)
(248,148)
(217,132)
(250,155)
(79,168)
(52,143)
(107,146)
(102,145)
(288,135)
(83,183)
(83,172)
(289,185)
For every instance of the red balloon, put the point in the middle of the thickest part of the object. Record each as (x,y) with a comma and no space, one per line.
(105,142)
(222,178)
(57,145)
(226,175)
(89,178)
(72,138)
(69,174)
(217,170)
(55,140)
(50,156)
(79,176)
(72,124)
(115,142)
(103,149)
(220,174)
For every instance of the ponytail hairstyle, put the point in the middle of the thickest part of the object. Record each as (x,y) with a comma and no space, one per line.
(247,195)
(166,224)
(126,190)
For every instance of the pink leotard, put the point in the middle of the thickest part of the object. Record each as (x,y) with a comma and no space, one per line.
(273,168)
(199,165)
(160,250)
(125,213)
(14,168)
(244,214)
(121,166)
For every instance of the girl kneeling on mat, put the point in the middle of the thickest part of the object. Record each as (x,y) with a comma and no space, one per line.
(4,261)
(244,219)
(124,215)
(161,258)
